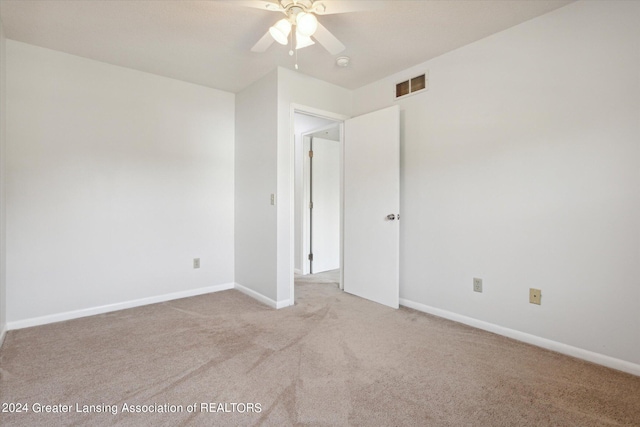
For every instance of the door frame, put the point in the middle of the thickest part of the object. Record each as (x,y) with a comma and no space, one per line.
(340,118)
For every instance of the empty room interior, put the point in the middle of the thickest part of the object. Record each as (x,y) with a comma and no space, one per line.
(310,212)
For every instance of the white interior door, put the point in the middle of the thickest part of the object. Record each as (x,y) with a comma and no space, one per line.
(371,196)
(325,213)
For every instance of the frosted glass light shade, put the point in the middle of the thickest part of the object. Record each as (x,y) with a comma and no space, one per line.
(280,31)
(303,41)
(306,24)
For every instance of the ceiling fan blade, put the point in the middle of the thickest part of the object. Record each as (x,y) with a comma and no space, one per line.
(328,40)
(329,7)
(263,44)
(273,6)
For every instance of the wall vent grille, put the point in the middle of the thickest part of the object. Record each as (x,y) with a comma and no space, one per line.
(411,86)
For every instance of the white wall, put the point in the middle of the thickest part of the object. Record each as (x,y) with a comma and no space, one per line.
(520,165)
(116,180)
(296,88)
(255,181)
(3,287)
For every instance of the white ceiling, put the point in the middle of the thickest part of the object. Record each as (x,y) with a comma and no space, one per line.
(209,42)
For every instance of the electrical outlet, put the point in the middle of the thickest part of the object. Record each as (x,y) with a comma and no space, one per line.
(534,296)
(477,285)
(196,263)
(273,199)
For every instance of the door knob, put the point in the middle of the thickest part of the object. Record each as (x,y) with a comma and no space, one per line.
(391,217)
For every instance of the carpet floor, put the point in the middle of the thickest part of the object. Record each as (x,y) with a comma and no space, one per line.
(332,359)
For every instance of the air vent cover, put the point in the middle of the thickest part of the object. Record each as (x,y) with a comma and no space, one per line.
(411,86)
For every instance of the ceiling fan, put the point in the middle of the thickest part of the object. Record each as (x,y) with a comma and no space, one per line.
(301,14)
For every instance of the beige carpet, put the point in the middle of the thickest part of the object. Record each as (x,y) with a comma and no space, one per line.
(333,359)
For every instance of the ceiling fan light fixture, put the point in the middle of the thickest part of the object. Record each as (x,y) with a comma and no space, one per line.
(302,40)
(306,23)
(280,31)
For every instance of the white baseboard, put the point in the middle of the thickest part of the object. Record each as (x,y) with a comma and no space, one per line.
(263,299)
(590,356)
(283,304)
(3,333)
(59,317)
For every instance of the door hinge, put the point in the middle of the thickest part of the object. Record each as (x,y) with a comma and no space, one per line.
(310,153)
(310,205)
(310,257)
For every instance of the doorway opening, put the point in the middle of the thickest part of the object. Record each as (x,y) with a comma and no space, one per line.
(317,142)
(321,200)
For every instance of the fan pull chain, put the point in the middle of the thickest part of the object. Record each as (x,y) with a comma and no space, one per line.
(291,50)
(291,43)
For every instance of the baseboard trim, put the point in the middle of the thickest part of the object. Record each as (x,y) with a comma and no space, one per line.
(255,295)
(69,315)
(590,356)
(3,333)
(283,304)
(263,299)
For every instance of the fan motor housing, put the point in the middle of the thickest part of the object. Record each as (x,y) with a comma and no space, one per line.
(293,11)
(305,4)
